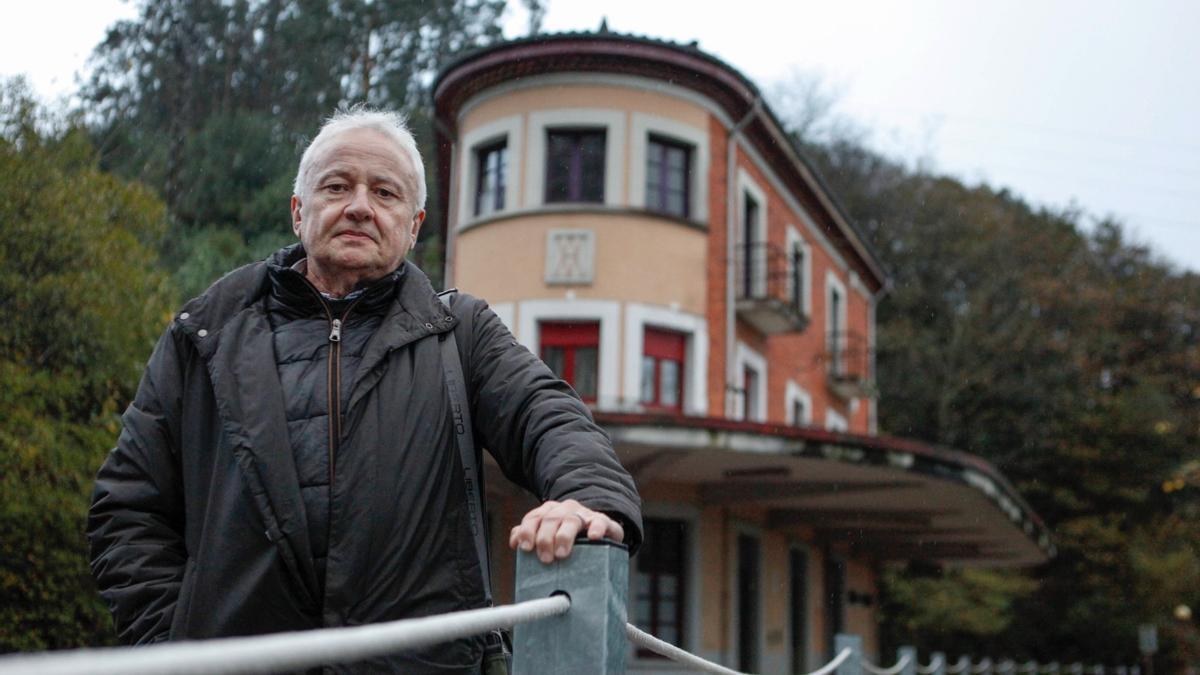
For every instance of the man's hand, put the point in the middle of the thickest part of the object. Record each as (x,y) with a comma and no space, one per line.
(553,526)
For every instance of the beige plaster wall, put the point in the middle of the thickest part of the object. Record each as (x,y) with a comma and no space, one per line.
(638,259)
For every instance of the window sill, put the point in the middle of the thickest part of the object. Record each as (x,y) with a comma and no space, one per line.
(559,208)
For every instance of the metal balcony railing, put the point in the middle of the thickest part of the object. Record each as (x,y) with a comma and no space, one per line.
(770,291)
(848,363)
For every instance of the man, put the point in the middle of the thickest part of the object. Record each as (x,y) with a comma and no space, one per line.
(289,461)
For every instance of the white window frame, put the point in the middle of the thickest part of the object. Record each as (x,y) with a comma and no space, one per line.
(794,392)
(834,421)
(642,126)
(695,368)
(747,357)
(531,313)
(795,239)
(690,515)
(747,186)
(507,129)
(832,283)
(542,121)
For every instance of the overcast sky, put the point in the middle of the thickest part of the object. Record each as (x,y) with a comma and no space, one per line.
(1079,102)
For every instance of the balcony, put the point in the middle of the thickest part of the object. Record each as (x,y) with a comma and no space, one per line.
(848,361)
(770,294)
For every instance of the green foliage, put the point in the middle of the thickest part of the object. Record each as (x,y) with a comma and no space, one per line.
(210,102)
(81,301)
(956,611)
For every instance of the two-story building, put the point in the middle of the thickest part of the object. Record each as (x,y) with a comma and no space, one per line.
(638,217)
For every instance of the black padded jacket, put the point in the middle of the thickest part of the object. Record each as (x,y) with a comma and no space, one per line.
(198,526)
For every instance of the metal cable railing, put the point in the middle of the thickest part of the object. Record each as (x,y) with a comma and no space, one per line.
(284,651)
(933,667)
(648,641)
(894,670)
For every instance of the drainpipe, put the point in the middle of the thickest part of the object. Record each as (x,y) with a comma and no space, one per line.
(731,257)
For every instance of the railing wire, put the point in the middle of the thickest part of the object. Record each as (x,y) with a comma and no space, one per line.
(284,651)
(894,670)
(937,662)
(648,641)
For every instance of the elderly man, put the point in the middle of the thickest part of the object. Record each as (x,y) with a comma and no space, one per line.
(289,461)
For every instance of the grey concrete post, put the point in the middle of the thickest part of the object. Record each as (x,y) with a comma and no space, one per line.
(590,637)
(938,659)
(910,666)
(852,665)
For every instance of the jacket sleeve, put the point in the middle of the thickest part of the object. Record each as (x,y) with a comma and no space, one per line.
(540,432)
(135,524)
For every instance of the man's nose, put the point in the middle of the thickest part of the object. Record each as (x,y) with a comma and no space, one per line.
(359,207)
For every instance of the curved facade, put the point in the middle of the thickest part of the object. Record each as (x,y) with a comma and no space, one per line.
(636,215)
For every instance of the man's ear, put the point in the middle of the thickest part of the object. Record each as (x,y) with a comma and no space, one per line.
(296,215)
(418,218)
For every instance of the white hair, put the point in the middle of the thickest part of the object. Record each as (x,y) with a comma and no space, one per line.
(390,124)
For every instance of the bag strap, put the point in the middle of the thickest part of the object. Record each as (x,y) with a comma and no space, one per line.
(460,407)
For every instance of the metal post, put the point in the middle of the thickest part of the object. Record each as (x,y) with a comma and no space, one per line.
(939,659)
(909,656)
(852,665)
(590,637)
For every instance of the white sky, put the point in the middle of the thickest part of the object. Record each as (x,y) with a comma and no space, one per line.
(1095,103)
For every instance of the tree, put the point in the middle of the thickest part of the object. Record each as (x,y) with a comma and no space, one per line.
(210,102)
(81,300)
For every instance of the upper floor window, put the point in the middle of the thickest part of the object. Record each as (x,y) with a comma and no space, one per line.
(796,275)
(662,369)
(799,412)
(659,582)
(572,351)
(668,174)
(491,162)
(753,280)
(750,376)
(575,165)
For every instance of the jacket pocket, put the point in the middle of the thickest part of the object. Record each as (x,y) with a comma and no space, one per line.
(179,620)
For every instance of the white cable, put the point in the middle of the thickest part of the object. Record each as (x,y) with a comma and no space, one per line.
(894,670)
(960,666)
(937,662)
(983,666)
(648,641)
(283,651)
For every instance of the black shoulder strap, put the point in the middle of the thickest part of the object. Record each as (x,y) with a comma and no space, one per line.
(460,406)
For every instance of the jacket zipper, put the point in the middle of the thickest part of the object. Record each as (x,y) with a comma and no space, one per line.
(335,386)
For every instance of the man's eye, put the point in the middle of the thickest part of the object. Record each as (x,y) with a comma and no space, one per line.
(335,187)
(385,192)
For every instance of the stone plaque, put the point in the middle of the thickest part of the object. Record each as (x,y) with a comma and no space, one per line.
(570,256)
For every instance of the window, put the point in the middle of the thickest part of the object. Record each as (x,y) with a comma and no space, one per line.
(662,369)
(835,330)
(835,422)
(749,627)
(796,271)
(799,412)
(668,175)
(659,582)
(750,392)
(575,166)
(572,352)
(490,162)
(750,284)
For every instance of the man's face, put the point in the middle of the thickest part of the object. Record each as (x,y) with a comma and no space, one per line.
(358,217)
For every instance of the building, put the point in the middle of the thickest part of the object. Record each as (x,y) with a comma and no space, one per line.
(638,217)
